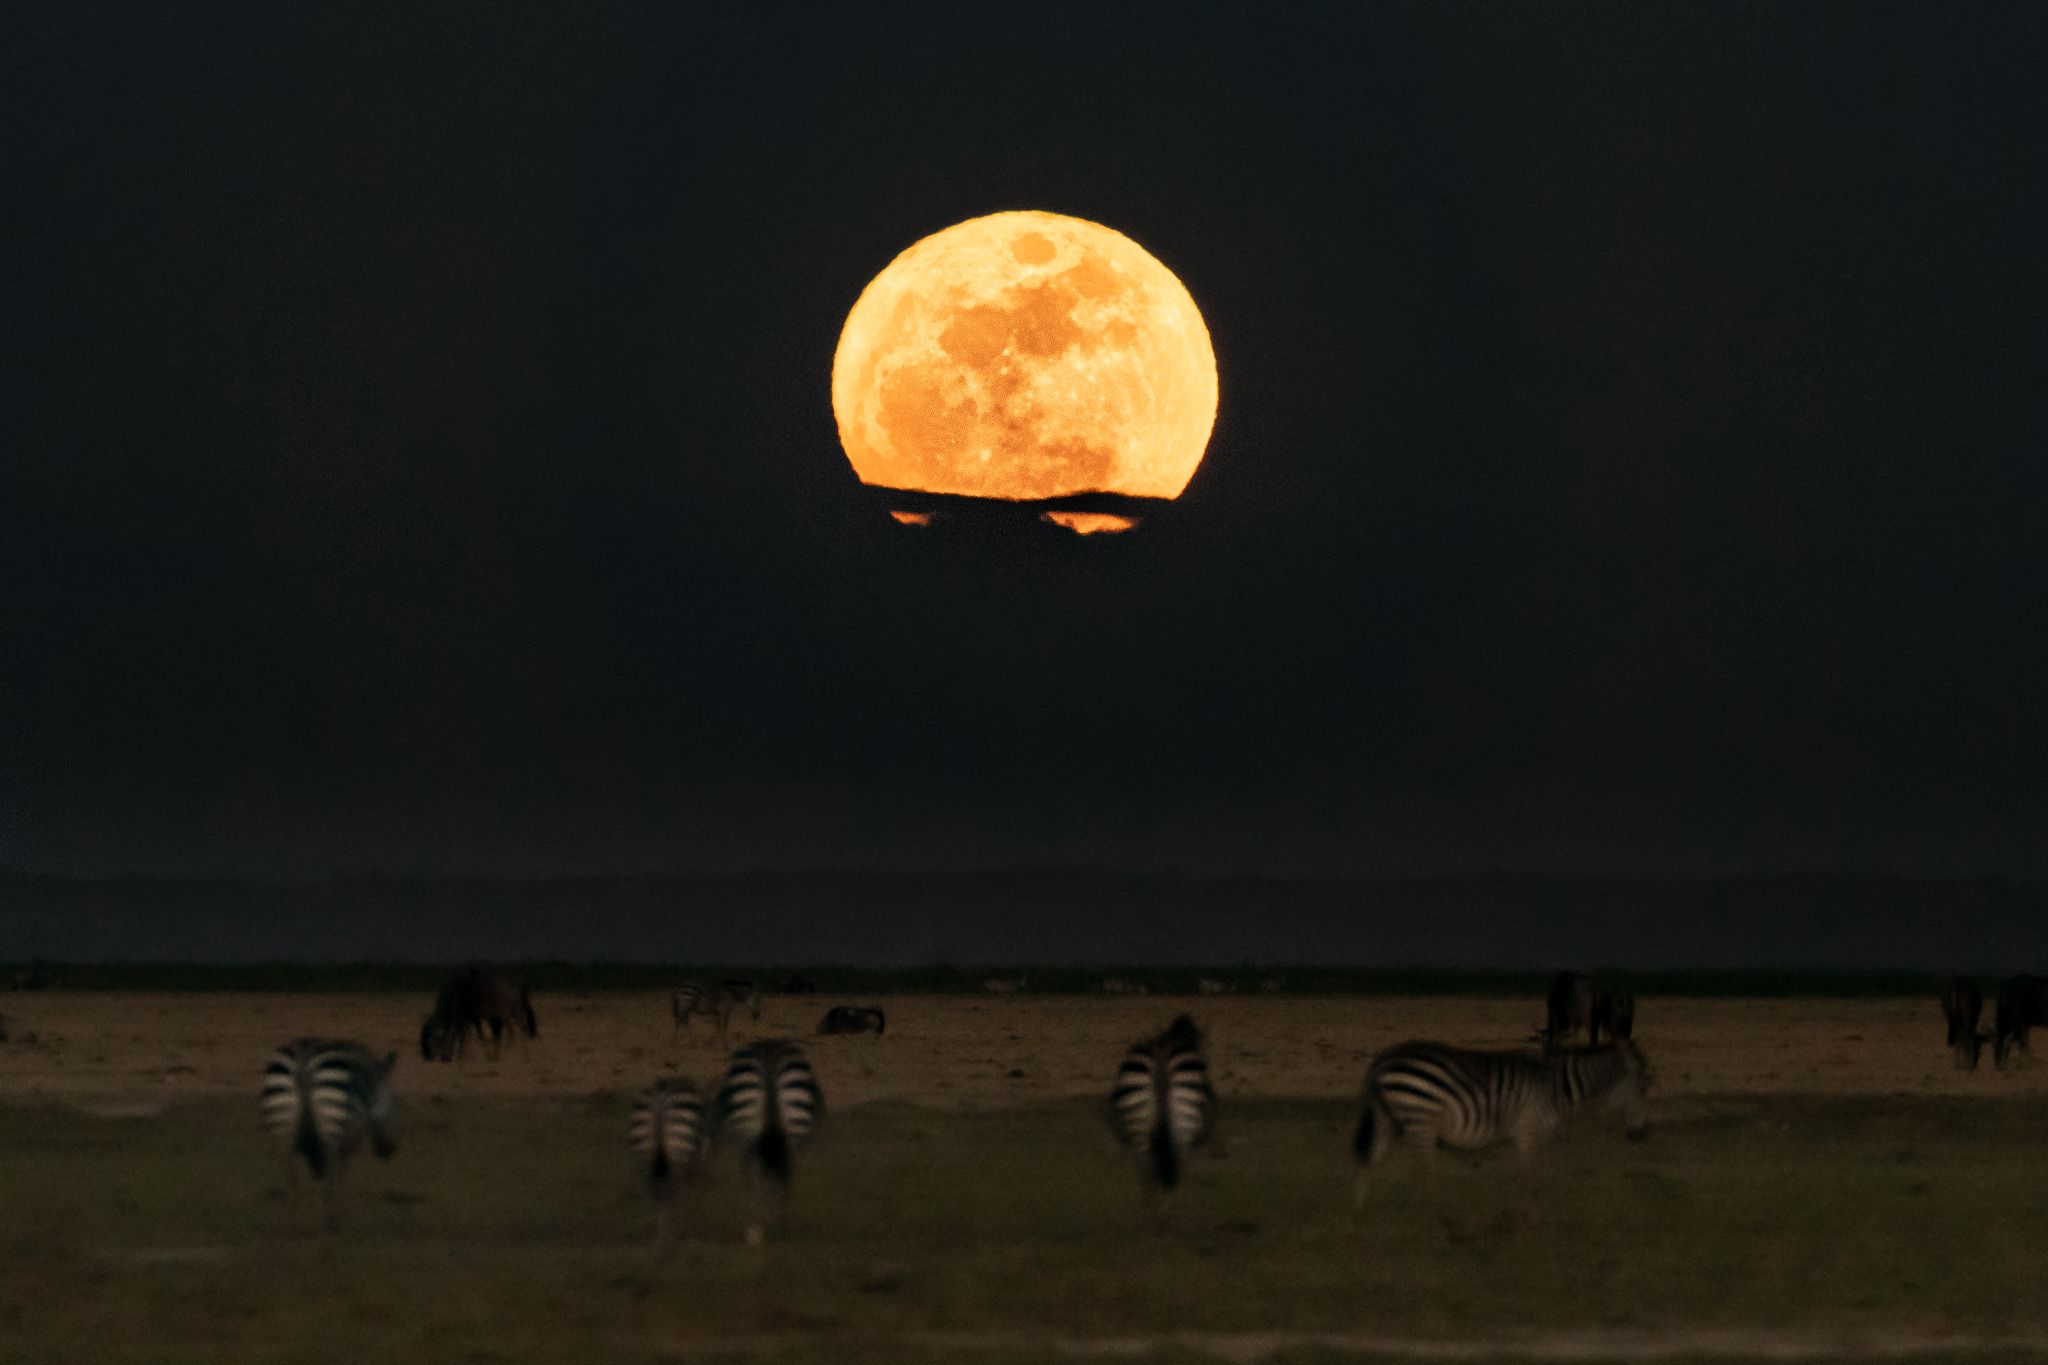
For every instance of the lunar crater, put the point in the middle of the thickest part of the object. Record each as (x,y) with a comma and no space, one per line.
(1025,355)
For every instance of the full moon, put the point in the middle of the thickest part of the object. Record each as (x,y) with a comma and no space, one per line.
(1025,356)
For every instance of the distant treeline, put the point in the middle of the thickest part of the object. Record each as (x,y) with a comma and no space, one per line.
(570,978)
(1052,922)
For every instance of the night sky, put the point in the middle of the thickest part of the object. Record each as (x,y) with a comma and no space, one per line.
(416,449)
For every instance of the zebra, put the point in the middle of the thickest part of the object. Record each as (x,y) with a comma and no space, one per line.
(694,998)
(770,1103)
(1211,986)
(2022,1007)
(669,1134)
(322,1096)
(853,1019)
(1163,1105)
(744,995)
(1962,1008)
(1431,1092)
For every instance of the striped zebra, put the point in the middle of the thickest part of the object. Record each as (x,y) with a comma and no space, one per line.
(1162,1104)
(742,995)
(1428,1093)
(321,1097)
(768,1106)
(714,1001)
(1962,1009)
(668,1132)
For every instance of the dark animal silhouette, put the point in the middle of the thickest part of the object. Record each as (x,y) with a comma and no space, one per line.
(480,1003)
(853,1019)
(1578,1001)
(2022,1007)
(799,985)
(1962,1007)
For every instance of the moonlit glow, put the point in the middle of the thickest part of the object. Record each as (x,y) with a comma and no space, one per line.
(1025,356)
(1090,523)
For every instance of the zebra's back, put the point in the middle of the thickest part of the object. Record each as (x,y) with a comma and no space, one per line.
(323,1095)
(1162,1103)
(1462,1097)
(667,1129)
(770,1102)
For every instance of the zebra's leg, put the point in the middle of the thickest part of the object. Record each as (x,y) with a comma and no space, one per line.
(330,1189)
(757,1232)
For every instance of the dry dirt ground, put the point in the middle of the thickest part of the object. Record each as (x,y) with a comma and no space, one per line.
(1822,1185)
(105,1052)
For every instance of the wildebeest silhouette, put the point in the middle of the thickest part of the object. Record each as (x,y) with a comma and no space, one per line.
(2022,1007)
(480,1003)
(853,1019)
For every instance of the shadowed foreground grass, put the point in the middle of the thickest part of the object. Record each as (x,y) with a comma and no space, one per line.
(517,1232)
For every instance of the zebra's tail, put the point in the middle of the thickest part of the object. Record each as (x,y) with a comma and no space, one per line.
(1361,1141)
(1165,1157)
(773,1152)
(306,1132)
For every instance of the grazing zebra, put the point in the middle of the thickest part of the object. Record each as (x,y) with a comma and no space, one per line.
(2022,1007)
(321,1097)
(669,1133)
(743,995)
(853,1019)
(694,998)
(768,1106)
(1962,1009)
(1430,1093)
(1162,1104)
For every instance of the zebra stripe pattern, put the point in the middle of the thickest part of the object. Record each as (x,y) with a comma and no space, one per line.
(770,1103)
(668,1129)
(322,1097)
(1163,1105)
(1428,1093)
(669,1134)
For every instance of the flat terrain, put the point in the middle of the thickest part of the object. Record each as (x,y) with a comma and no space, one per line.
(1819,1181)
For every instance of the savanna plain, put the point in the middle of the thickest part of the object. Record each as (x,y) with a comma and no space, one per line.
(1818,1182)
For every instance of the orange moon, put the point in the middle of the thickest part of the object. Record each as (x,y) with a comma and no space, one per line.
(1025,355)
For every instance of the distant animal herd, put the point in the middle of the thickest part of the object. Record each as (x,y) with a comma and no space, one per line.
(325,1098)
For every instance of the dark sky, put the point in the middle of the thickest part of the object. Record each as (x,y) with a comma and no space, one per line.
(416,450)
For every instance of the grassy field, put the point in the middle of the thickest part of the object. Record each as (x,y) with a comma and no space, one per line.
(951,1211)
